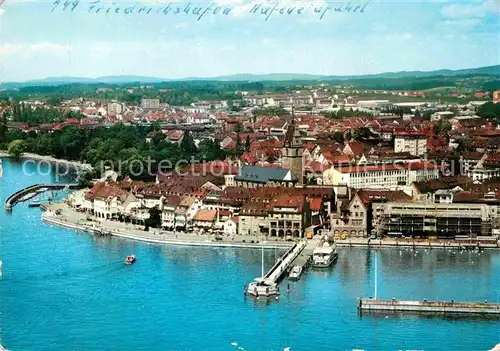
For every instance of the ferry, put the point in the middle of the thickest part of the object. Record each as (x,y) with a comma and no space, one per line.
(324,256)
(130,259)
(263,288)
(295,273)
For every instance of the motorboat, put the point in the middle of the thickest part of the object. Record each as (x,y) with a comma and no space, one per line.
(324,256)
(34,203)
(295,273)
(262,287)
(130,259)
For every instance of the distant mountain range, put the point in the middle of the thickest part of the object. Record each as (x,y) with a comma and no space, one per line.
(51,81)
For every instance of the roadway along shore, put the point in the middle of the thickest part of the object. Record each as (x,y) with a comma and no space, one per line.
(49,159)
(71,219)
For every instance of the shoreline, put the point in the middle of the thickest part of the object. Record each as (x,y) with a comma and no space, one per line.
(50,159)
(169,241)
(71,219)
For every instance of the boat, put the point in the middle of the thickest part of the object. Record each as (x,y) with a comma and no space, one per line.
(130,259)
(295,273)
(34,203)
(324,256)
(262,287)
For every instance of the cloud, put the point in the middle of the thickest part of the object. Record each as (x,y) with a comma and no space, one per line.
(34,49)
(470,10)
(462,23)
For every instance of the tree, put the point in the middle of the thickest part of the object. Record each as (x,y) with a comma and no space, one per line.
(338,137)
(188,145)
(247,143)
(238,127)
(16,148)
(239,145)
(489,110)
(154,220)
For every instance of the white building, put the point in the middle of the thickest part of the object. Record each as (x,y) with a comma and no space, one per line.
(231,226)
(150,103)
(380,176)
(413,142)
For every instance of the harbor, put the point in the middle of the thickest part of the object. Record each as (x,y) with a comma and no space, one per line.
(84,275)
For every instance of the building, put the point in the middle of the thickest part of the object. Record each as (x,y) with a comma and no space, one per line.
(380,176)
(256,176)
(150,103)
(292,151)
(441,219)
(115,108)
(413,142)
(496,96)
(231,226)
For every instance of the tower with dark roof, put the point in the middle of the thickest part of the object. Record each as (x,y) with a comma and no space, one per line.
(292,152)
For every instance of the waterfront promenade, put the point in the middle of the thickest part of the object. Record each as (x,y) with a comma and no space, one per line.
(72,219)
(76,220)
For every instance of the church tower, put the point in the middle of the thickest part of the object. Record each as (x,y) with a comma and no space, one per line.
(291,155)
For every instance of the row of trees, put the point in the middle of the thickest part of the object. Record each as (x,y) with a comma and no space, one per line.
(343,113)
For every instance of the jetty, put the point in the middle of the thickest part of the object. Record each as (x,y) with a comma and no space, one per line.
(276,272)
(434,307)
(305,255)
(32,191)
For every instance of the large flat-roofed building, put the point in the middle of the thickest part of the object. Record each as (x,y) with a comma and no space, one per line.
(413,142)
(150,103)
(433,219)
(380,176)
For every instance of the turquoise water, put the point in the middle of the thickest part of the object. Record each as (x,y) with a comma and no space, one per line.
(66,290)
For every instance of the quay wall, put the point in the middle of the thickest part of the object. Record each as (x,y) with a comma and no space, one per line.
(417,244)
(442,307)
(167,241)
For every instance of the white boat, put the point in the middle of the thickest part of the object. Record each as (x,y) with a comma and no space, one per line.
(324,256)
(295,272)
(263,288)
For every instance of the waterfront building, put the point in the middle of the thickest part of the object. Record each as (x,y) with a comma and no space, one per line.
(204,219)
(413,142)
(170,203)
(443,220)
(231,226)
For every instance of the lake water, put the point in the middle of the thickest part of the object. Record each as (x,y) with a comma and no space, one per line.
(66,290)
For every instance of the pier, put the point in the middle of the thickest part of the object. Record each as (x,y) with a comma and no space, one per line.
(33,189)
(305,255)
(281,266)
(429,307)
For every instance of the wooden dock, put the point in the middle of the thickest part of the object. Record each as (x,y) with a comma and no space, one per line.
(429,307)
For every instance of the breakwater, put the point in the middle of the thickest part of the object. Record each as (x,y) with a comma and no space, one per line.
(437,307)
(18,195)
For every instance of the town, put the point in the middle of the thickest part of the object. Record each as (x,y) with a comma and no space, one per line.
(283,166)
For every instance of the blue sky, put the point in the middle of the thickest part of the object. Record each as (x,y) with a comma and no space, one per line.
(37,42)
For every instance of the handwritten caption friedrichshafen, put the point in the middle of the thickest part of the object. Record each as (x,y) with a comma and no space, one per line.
(264,11)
